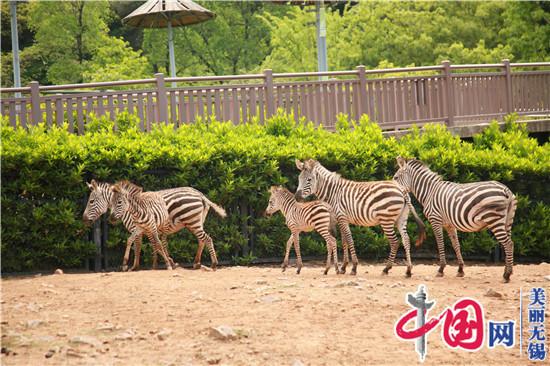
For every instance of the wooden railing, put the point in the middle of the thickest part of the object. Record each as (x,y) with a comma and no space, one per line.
(450,94)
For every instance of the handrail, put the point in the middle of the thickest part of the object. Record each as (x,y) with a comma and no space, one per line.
(274,75)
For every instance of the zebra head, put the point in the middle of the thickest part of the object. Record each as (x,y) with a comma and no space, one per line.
(125,192)
(118,206)
(403,176)
(274,205)
(307,181)
(98,202)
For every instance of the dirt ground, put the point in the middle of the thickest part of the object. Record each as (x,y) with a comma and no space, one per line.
(165,317)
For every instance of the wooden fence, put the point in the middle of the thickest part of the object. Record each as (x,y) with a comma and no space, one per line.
(450,94)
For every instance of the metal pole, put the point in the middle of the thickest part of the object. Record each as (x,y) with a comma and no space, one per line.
(171,52)
(321,38)
(15,47)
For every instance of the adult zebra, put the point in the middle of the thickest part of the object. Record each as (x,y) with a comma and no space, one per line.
(381,203)
(467,207)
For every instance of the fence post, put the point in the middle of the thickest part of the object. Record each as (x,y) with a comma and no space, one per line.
(269,99)
(35,102)
(449,93)
(362,90)
(508,72)
(162,99)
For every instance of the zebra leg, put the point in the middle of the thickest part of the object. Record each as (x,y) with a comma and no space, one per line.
(204,238)
(346,238)
(157,244)
(212,251)
(129,243)
(137,252)
(331,252)
(501,234)
(296,237)
(402,227)
(456,246)
(284,265)
(164,240)
(394,245)
(438,232)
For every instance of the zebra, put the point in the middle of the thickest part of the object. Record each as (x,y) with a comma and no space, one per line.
(101,200)
(382,203)
(167,212)
(306,217)
(467,207)
(189,207)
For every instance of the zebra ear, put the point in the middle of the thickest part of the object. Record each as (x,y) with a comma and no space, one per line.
(401,161)
(299,164)
(115,188)
(92,185)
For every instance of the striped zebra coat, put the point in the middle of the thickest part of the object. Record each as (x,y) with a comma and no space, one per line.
(466,207)
(167,212)
(303,217)
(383,203)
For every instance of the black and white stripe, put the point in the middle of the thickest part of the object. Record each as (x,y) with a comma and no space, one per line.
(303,217)
(468,207)
(168,211)
(381,203)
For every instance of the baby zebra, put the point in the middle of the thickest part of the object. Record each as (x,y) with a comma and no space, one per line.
(102,199)
(166,212)
(306,217)
(466,207)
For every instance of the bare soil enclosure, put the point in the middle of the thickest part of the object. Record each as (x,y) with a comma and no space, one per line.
(166,317)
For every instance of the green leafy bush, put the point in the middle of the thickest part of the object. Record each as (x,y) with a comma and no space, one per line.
(44,173)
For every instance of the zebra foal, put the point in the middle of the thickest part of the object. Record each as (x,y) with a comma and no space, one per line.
(381,203)
(306,217)
(468,207)
(167,212)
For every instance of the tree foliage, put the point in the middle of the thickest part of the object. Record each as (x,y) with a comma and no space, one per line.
(249,36)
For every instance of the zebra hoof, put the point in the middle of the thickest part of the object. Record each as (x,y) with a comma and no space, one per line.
(298,270)
(460,274)
(439,274)
(408,274)
(214,266)
(342,270)
(325,272)
(124,268)
(196,266)
(353,272)
(506,277)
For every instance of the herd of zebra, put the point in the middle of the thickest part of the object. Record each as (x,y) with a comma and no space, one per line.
(340,202)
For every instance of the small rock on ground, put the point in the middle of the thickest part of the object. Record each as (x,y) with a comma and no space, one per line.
(492,293)
(223,332)
(92,341)
(297,363)
(347,283)
(269,299)
(58,271)
(163,334)
(547,278)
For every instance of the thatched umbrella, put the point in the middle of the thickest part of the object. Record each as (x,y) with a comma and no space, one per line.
(168,14)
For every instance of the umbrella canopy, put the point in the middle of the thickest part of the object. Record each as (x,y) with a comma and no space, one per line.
(168,14)
(162,13)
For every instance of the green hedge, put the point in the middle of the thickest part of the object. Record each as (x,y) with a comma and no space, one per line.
(44,173)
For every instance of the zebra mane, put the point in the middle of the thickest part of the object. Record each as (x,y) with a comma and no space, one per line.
(420,165)
(284,192)
(127,186)
(319,168)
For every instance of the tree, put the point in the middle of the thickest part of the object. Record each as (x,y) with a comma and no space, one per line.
(115,60)
(236,41)
(67,34)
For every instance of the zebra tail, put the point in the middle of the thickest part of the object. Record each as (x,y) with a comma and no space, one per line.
(218,209)
(419,223)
